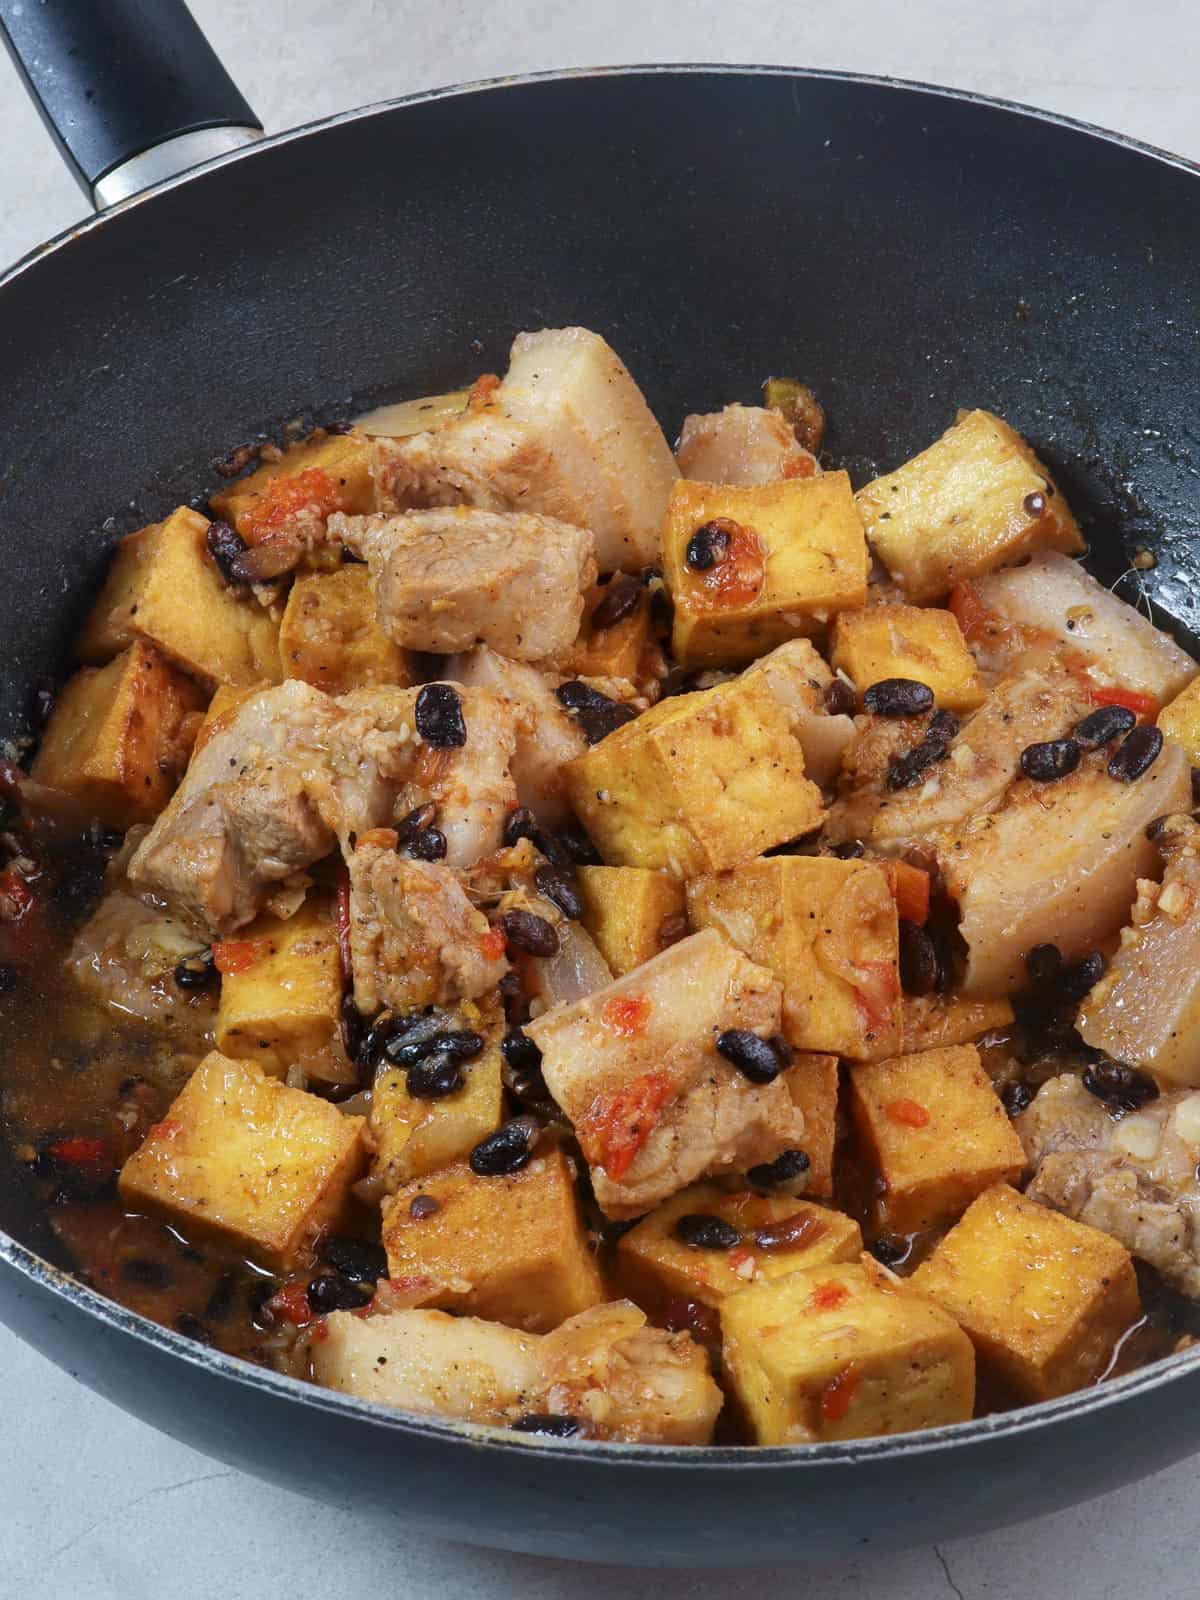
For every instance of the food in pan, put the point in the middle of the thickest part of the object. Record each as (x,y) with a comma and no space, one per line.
(515,923)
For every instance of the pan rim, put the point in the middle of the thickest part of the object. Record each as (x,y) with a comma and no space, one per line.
(1009,1425)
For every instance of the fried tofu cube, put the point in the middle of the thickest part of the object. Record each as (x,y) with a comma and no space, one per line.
(330,636)
(1180,721)
(509,1249)
(975,500)
(164,587)
(283,1008)
(841,1352)
(829,931)
(788,556)
(656,1266)
(117,737)
(936,1133)
(222,713)
(1045,1299)
(242,1158)
(414,1137)
(813,1083)
(915,642)
(615,652)
(697,783)
(632,913)
(934,1021)
(312,478)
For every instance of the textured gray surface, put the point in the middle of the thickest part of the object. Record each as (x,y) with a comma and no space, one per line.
(96,1503)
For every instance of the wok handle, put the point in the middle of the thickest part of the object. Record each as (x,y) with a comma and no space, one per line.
(131,90)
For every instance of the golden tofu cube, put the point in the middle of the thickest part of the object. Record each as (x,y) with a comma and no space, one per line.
(414,1137)
(914,642)
(242,1158)
(829,932)
(936,1132)
(329,474)
(1045,1299)
(284,1008)
(1180,721)
(793,555)
(164,587)
(975,500)
(509,1249)
(655,1266)
(330,635)
(934,1021)
(615,652)
(117,738)
(697,783)
(632,913)
(222,713)
(813,1082)
(841,1352)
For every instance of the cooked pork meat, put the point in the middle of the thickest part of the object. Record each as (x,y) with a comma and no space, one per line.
(447,580)
(742,445)
(1134,1176)
(125,956)
(567,434)
(471,784)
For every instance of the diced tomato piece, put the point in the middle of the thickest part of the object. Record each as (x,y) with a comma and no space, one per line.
(627,1015)
(616,1126)
(828,1296)
(483,391)
(231,956)
(737,575)
(973,616)
(910,885)
(877,987)
(839,1392)
(79,1151)
(1142,705)
(492,944)
(291,1303)
(284,497)
(343,921)
(908,1113)
(800,467)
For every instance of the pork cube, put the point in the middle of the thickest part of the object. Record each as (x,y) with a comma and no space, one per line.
(510,1249)
(117,738)
(698,783)
(778,560)
(294,494)
(632,913)
(1044,1300)
(656,1263)
(829,931)
(1053,597)
(414,1136)
(241,1158)
(125,957)
(841,1352)
(330,636)
(567,434)
(975,500)
(1057,864)
(164,587)
(920,643)
(933,1128)
(742,445)
(472,785)
(798,678)
(446,580)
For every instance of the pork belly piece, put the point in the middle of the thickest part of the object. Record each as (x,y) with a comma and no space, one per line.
(636,1068)
(742,445)
(1052,595)
(567,434)
(1133,1176)
(415,938)
(798,676)
(447,580)
(125,956)
(1145,1010)
(1058,863)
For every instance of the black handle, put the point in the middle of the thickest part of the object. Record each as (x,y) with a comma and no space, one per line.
(114,78)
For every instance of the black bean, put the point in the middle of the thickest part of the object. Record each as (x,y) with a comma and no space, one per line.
(506,1150)
(1121,1088)
(107,839)
(434,1077)
(597,715)
(423,1206)
(225,545)
(413,1036)
(550,1423)
(1102,726)
(1034,504)
(192,1328)
(898,697)
(352,1026)
(851,850)
(460,1044)
(1050,761)
(519,824)
(662,608)
(1137,754)
(221,1301)
(374,1041)
(579,847)
(1196,786)
(147,1272)
(428,845)
(785,1168)
(262,1316)
(264,563)
(889,1252)
(358,1259)
(530,934)
(919,967)
(329,1291)
(1075,981)
(513,998)
(1043,964)
(1015,1096)
(439,716)
(943,727)
(621,600)
(196,972)
(42,703)
(519,1050)
(760,1060)
(414,823)
(559,884)
(706,547)
(840,698)
(699,1230)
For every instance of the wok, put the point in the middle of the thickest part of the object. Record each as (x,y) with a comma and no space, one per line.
(905,250)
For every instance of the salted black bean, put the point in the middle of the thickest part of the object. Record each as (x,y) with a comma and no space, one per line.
(850,850)
(559,885)
(225,545)
(531,935)
(1043,963)
(1051,760)
(328,1291)
(1102,726)
(840,699)
(943,727)
(1121,1088)
(423,1206)
(428,845)
(621,600)
(759,1060)
(706,547)
(699,1230)
(435,1076)
(909,769)
(358,1259)
(519,1050)
(1075,981)
(439,716)
(519,824)
(578,846)
(918,959)
(889,1252)
(507,1150)
(415,822)
(196,972)
(1015,1096)
(1137,754)
(785,1168)
(898,697)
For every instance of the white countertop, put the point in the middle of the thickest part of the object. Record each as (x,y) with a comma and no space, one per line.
(95,1504)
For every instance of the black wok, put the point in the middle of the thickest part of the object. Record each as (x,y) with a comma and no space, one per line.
(905,250)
